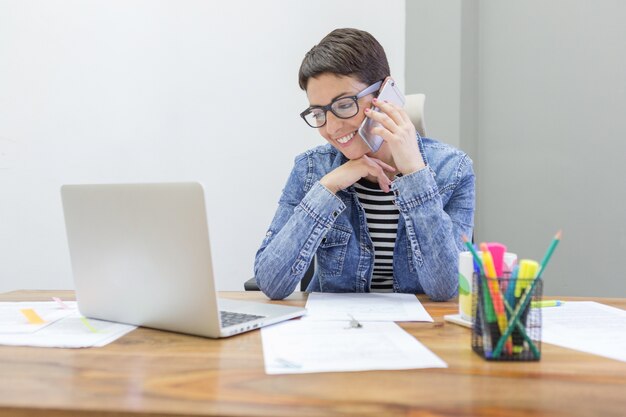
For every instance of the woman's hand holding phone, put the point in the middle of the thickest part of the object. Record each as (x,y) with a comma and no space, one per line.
(399,133)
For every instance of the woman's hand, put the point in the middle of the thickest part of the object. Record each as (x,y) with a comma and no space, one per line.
(398,132)
(347,174)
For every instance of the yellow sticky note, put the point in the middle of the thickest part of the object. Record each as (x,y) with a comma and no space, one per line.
(31,316)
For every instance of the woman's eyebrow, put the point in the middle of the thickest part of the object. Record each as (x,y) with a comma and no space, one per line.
(334,98)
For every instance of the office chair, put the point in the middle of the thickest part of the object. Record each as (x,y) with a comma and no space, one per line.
(414,106)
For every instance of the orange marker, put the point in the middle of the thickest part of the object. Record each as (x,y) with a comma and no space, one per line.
(496,296)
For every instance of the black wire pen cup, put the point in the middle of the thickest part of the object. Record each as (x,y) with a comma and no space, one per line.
(506,326)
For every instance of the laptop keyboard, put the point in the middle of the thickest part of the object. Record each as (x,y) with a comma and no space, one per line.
(229,318)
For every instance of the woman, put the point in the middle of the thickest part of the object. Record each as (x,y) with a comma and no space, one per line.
(390,220)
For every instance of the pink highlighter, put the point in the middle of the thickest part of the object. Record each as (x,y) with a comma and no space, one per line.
(497,253)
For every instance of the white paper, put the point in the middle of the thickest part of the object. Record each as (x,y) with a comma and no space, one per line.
(299,346)
(365,307)
(68,331)
(586,326)
(13,321)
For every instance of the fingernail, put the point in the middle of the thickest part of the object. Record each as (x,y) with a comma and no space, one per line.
(374,100)
(367,110)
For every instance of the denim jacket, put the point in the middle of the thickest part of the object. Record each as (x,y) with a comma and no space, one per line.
(436,207)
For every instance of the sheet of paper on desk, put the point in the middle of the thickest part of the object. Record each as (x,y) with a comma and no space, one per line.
(586,326)
(13,321)
(299,346)
(70,331)
(365,307)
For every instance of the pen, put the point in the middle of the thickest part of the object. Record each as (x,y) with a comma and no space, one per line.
(480,321)
(546,303)
(527,271)
(492,331)
(510,290)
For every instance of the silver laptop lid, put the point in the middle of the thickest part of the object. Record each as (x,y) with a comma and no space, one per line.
(140,254)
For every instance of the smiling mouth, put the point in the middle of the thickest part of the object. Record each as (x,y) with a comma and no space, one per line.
(344,139)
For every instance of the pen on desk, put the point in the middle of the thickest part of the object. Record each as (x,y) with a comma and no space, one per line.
(546,303)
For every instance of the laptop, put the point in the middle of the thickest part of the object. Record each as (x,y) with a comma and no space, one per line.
(140,255)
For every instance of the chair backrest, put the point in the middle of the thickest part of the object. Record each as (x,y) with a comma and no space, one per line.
(414,106)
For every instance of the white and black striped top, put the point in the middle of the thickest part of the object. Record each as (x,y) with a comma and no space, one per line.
(382,222)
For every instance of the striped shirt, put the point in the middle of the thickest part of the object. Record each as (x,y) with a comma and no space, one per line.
(382,222)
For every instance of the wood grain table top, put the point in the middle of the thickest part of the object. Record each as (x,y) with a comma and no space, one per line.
(156,373)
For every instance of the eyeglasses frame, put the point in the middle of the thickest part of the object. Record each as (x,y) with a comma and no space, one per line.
(369,90)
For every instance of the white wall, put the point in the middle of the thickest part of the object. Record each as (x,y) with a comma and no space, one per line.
(132,91)
(540,106)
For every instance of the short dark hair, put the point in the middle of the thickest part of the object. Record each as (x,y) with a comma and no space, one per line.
(350,52)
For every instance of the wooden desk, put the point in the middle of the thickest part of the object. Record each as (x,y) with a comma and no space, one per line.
(154,373)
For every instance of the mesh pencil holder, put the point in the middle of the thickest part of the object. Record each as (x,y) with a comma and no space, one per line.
(506,326)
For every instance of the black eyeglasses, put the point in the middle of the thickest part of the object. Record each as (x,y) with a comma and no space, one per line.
(342,107)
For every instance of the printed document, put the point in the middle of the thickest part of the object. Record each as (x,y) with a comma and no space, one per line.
(365,307)
(63,327)
(13,321)
(586,326)
(300,346)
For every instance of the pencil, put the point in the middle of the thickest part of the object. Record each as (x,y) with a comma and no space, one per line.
(474,254)
(548,255)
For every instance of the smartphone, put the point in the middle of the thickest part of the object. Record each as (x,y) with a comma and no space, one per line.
(391,93)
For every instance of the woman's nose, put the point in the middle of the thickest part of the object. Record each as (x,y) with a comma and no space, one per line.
(333,123)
